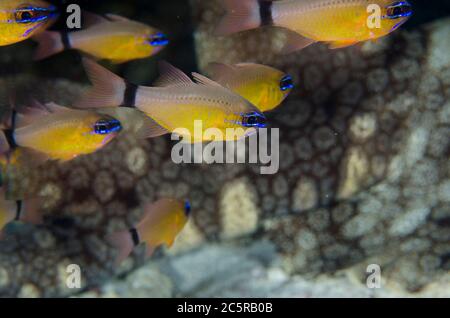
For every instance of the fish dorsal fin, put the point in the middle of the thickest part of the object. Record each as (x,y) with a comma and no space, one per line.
(55,108)
(29,114)
(218,70)
(247,64)
(116,18)
(90,19)
(203,80)
(171,76)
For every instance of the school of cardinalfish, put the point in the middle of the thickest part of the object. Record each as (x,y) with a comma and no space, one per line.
(236,96)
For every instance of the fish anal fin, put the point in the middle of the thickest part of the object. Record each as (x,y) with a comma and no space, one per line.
(341,44)
(295,42)
(32,158)
(150,129)
(171,76)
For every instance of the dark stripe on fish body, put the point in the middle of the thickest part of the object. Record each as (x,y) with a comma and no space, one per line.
(129,97)
(135,236)
(9,134)
(18,210)
(65,40)
(265,12)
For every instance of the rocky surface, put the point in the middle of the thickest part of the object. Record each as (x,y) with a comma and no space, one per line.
(364,178)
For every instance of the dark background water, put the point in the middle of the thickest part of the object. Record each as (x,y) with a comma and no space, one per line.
(171,16)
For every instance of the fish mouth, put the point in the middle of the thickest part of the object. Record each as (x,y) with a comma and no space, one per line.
(398,10)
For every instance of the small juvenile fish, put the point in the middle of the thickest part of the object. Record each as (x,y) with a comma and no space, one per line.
(176,103)
(58,133)
(113,38)
(340,23)
(20,210)
(161,223)
(264,86)
(20,19)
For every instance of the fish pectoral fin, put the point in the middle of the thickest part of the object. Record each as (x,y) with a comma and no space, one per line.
(171,76)
(295,42)
(340,44)
(150,129)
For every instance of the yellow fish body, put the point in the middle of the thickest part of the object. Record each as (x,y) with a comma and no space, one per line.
(21,19)
(264,86)
(62,134)
(161,223)
(340,23)
(177,103)
(114,38)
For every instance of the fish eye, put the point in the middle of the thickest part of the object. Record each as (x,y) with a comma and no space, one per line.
(105,127)
(399,10)
(254,119)
(286,83)
(159,39)
(33,14)
(187,208)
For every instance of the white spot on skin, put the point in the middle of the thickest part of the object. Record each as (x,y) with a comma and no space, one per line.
(238,209)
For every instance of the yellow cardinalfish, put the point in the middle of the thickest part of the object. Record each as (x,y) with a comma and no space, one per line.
(58,133)
(20,19)
(176,103)
(112,38)
(340,23)
(264,86)
(161,223)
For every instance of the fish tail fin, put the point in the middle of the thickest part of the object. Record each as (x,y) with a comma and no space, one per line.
(49,43)
(109,90)
(123,242)
(242,15)
(4,143)
(32,211)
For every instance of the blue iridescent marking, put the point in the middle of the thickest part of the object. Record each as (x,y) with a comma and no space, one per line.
(105,127)
(187,208)
(397,10)
(37,14)
(286,83)
(254,119)
(159,39)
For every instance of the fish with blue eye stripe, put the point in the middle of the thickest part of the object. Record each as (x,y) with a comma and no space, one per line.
(19,20)
(264,86)
(160,224)
(112,37)
(175,104)
(53,132)
(340,23)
